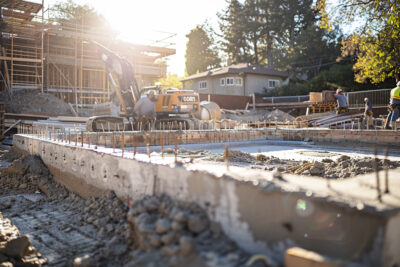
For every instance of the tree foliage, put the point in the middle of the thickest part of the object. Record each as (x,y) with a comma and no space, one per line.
(69,13)
(256,31)
(171,81)
(376,43)
(201,54)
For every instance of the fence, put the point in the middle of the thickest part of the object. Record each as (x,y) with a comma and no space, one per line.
(378,98)
(286,99)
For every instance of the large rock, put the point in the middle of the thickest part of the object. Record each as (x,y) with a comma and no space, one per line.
(197,224)
(17,247)
(163,226)
(317,169)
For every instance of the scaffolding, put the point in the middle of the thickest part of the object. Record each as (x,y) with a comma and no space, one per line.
(21,45)
(53,51)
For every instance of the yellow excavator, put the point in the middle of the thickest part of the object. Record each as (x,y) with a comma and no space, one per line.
(176,109)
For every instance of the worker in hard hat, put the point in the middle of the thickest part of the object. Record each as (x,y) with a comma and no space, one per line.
(368,114)
(393,108)
(342,102)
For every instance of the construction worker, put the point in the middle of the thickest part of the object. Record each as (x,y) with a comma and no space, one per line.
(394,106)
(146,111)
(368,114)
(342,103)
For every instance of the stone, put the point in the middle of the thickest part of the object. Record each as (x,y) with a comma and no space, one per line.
(154,240)
(6,264)
(170,250)
(186,245)
(177,226)
(317,169)
(180,217)
(84,261)
(343,158)
(197,224)
(145,228)
(17,247)
(109,228)
(163,226)
(168,238)
(23,186)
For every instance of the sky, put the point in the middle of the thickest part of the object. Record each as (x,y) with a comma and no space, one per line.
(147,21)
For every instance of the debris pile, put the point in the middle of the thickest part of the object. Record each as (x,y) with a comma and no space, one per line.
(234,156)
(16,250)
(343,167)
(182,232)
(278,115)
(24,102)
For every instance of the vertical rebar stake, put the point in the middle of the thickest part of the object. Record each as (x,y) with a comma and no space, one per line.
(69,136)
(227,157)
(162,146)
(176,148)
(375,165)
(134,145)
(81,138)
(386,167)
(148,145)
(123,143)
(113,141)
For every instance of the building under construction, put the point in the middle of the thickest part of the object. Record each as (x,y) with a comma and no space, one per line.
(48,50)
(255,186)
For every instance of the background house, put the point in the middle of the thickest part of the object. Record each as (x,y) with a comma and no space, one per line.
(240,79)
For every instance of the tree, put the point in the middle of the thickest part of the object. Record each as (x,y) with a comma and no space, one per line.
(200,52)
(376,43)
(69,13)
(255,31)
(171,81)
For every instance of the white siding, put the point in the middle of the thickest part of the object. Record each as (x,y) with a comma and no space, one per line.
(257,83)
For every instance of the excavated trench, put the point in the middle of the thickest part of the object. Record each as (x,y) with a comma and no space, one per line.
(67,230)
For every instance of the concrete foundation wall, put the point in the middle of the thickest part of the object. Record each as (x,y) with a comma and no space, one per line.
(257,218)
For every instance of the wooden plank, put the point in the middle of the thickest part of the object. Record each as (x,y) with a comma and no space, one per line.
(21,59)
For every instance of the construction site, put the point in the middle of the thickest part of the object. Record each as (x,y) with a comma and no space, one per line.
(210,180)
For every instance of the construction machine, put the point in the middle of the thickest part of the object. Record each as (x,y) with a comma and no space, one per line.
(176,109)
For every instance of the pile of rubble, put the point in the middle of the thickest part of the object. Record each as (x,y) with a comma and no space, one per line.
(27,101)
(343,167)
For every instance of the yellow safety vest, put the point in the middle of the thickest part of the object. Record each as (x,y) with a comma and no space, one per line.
(395,93)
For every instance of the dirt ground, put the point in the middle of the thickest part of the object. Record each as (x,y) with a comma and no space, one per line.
(67,230)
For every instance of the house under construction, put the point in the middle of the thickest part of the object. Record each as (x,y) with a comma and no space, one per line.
(47,50)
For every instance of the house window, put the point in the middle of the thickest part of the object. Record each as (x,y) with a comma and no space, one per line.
(239,81)
(230,81)
(273,83)
(222,82)
(202,85)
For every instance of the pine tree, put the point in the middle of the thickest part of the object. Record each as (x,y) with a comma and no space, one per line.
(200,52)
